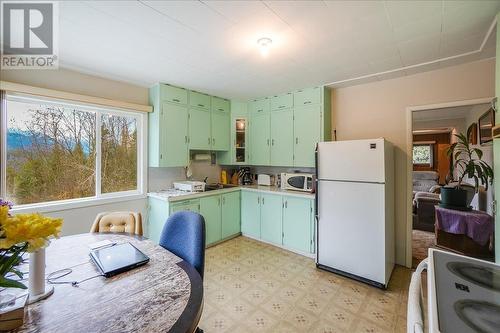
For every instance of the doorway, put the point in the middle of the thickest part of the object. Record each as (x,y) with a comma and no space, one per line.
(432,129)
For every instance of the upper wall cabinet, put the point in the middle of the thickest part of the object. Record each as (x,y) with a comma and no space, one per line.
(168,127)
(182,120)
(259,106)
(238,152)
(173,94)
(280,102)
(199,100)
(308,96)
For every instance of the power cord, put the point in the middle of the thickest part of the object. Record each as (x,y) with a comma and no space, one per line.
(54,276)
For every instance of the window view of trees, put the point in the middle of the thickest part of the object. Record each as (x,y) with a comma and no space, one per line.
(51,152)
(422,154)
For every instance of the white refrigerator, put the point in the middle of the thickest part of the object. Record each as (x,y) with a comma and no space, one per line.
(355,209)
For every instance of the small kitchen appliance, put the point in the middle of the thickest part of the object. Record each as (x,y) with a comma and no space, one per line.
(297,181)
(245,176)
(263,179)
(190,186)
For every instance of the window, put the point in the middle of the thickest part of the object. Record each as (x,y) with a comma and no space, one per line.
(422,154)
(60,151)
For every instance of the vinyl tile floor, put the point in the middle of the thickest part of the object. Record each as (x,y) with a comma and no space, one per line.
(251,286)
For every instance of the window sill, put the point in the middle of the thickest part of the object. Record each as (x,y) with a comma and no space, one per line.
(57,206)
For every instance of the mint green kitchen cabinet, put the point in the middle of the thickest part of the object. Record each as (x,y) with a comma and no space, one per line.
(270,221)
(260,139)
(307,132)
(173,94)
(231,214)
(199,100)
(282,127)
(168,127)
(199,130)
(250,213)
(259,106)
(220,124)
(297,219)
(308,96)
(189,205)
(157,216)
(220,104)
(239,152)
(210,209)
(174,140)
(284,101)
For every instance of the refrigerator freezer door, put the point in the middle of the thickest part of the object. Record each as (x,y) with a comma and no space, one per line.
(357,160)
(350,230)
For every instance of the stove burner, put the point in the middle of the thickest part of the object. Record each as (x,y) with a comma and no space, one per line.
(486,277)
(481,316)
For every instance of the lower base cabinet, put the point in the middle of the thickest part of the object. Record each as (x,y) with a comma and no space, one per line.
(279,219)
(297,224)
(220,211)
(210,209)
(270,218)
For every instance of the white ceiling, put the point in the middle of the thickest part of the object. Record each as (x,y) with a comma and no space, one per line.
(210,46)
(457,112)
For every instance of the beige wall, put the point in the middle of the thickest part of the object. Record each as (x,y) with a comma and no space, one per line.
(378,109)
(79,83)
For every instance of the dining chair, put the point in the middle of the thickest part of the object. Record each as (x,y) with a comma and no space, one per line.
(184,235)
(128,222)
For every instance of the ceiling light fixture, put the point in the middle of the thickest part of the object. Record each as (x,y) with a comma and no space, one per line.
(265,45)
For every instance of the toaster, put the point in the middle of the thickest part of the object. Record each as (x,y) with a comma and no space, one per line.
(263,179)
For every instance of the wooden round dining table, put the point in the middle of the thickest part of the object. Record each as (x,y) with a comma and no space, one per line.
(164,295)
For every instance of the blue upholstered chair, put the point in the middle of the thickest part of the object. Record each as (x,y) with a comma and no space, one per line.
(184,235)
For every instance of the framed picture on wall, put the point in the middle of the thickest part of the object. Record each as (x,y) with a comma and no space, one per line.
(472,134)
(486,122)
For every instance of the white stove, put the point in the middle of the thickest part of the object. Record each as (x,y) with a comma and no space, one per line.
(463,295)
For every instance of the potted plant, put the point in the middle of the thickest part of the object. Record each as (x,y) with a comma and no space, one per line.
(467,162)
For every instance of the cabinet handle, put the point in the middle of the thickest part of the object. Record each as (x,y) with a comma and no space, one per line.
(307,102)
(281,107)
(208,140)
(286,203)
(260,110)
(185,139)
(223,200)
(175,100)
(201,105)
(272,142)
(213,141)
(268,142)
(297,140)
(258,200)
(189,139)
(220,109)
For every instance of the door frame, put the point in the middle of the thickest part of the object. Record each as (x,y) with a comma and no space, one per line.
(409,164)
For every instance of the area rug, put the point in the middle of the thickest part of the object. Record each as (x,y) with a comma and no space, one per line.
(421,242)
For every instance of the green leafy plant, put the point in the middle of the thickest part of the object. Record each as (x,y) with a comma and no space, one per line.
(468,162)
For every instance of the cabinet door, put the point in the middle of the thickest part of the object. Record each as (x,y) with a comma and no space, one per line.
(250,213)
(270,221)
(220,104)
(297,223)
(174,94)
(199,100)
(282,101)
(199,129)
(157,216)
(282,138)
(307,132)
(210,209)
(220,130)
(259,106)
(260,142)
(174,130)
(230,214)
(307,96)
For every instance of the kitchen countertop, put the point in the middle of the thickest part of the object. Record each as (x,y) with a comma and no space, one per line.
(175,195)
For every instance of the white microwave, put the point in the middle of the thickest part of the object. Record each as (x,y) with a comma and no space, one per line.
(297,182)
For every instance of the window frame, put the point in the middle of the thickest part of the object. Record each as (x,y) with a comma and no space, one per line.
(431,148)
(99,198)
